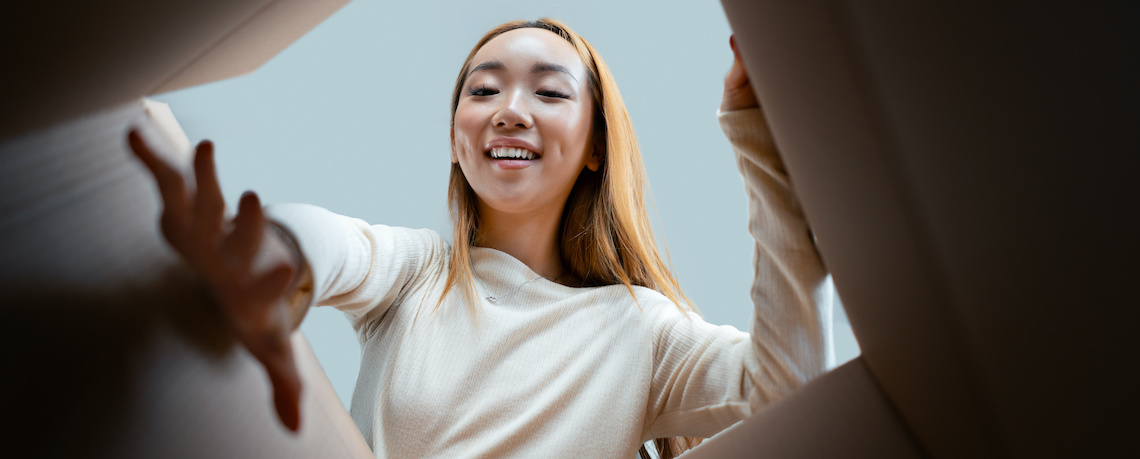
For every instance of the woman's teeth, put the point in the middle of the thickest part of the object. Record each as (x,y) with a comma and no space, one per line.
(511,153)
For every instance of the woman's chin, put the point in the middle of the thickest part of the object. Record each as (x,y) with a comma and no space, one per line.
(514,206)
(518,204)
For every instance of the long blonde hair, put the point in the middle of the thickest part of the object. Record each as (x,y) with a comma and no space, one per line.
(605,237)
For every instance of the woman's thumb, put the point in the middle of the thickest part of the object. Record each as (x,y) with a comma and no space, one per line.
(287,396)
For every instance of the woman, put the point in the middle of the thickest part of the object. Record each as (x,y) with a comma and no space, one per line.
(551,326)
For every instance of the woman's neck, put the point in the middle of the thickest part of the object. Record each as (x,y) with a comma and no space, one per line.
(532,239)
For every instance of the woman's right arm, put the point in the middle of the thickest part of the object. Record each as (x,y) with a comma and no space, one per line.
(358,268)
(268,266)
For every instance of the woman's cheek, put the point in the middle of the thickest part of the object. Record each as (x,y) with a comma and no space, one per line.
(464,150)
(466,132)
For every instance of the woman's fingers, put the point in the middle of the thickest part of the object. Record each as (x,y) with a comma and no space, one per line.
(249,228)
(275,352)
(209,205)
(286,390)
(171,185)
(737,75)
(162,172)
(738,92)
(268,340)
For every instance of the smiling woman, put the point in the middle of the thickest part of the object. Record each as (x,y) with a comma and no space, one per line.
(585,191)
(530,94)
(557,210)
(551,325)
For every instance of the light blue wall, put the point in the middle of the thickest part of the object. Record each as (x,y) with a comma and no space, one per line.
(354,118)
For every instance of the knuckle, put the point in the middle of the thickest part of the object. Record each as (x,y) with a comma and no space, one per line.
(174,179)
(170,225)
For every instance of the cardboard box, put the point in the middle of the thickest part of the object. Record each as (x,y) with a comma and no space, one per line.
(966,168)
(963,167)
(116,350)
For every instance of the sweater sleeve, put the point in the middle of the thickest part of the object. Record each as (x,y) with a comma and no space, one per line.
(358,268)
(707,378)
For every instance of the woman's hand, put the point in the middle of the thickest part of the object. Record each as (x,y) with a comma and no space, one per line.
(248,276)
(738,93)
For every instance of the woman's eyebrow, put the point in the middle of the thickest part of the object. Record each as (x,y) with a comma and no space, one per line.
(489,65)
(542,67)
(539,67)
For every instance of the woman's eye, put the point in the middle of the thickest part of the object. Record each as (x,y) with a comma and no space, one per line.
(556,94)
(482,91)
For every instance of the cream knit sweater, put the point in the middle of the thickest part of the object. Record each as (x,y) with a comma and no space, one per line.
(548,370)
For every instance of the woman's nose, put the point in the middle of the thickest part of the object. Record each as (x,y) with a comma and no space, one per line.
(513,112)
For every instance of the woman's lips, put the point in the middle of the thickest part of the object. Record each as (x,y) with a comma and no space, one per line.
(511,142)
(512,164)
(511,153)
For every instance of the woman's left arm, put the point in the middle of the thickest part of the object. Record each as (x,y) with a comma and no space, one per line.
(708,377)
(792,296)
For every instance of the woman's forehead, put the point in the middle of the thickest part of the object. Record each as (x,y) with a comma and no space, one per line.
(529,46)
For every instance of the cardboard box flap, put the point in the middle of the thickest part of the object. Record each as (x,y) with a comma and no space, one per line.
(966,168)
(841,414)
(115,342)
(69,60)
(265,34)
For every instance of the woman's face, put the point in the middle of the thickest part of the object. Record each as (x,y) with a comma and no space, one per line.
(523,122)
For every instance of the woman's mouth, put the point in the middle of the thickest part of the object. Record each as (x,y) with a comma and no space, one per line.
(512,153)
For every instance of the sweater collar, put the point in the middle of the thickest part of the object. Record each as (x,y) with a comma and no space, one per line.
(498,269)
(504,277)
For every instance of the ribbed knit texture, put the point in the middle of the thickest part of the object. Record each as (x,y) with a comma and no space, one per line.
(548,370)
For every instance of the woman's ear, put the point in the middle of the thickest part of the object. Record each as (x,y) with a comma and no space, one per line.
(597,155)
(454,157)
